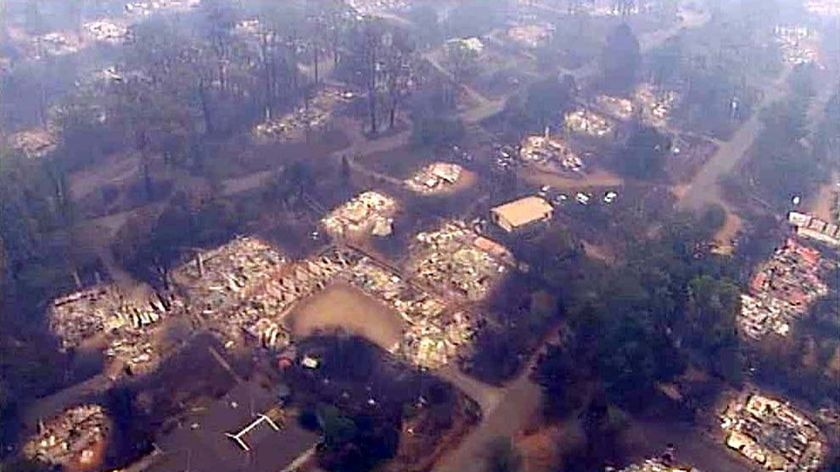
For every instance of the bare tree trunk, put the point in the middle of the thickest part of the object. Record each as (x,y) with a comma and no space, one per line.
(372,110)
(393,112)
(371,80)
(316,51)
(267,66)
(205,107)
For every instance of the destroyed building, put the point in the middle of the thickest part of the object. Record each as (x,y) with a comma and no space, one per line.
(222,277)
(148,7)
(617,107)
(368,213)
(773,434)
(586,122)
(798,44)
(826,8)
(34,143)
(435,177)
(124,324)
(531,36)
(72,439)
(550,153)
(56,44)
(657,465)
(102,30)
(655,105)
(314,115)
(456,260)
(815,228)
(781,291)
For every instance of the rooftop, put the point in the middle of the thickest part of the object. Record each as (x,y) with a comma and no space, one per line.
(205,443)
(524,211)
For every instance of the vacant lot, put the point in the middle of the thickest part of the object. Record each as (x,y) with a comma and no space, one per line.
(344,306)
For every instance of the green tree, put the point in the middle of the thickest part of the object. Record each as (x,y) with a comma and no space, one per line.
(620,60)
(562,378)
(644,154)
(435,130)
(502,456)
(547,100)
(338,429)
(710,324)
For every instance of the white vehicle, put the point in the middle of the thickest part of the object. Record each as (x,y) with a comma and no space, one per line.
(582,198)
(560,199)
(610,197)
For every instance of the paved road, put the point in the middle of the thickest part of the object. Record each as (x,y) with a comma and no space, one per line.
(487,396)
(517,405)
(704,188)
(507,410)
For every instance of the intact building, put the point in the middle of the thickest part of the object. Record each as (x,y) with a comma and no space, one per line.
(244,431)
(521,213)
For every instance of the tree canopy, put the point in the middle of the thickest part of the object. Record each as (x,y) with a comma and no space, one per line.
(644,154)
(620,60)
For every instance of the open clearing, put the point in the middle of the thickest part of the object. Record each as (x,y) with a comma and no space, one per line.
(728,232)
(344,306)
(821,206)
(693,445)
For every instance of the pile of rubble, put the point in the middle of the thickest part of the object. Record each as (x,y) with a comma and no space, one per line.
(798,44)
(127,325)
(432,337)
(147,7)
(70,439)
(773,434)
(374,7)
(549,152)
(102,309)
(435,177)
(261,314)
(823,7)
(218,279)
(587,122)
(532,36)
(781,291)
(655,106)
(623,9)
(458,261)
(250,27)
(657,465)
(107,31)
(617,107)
(314,116)
(369,212)
(55,44)
(432,343)
(34,143)
(430,340)
(471,45)
(815,228)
